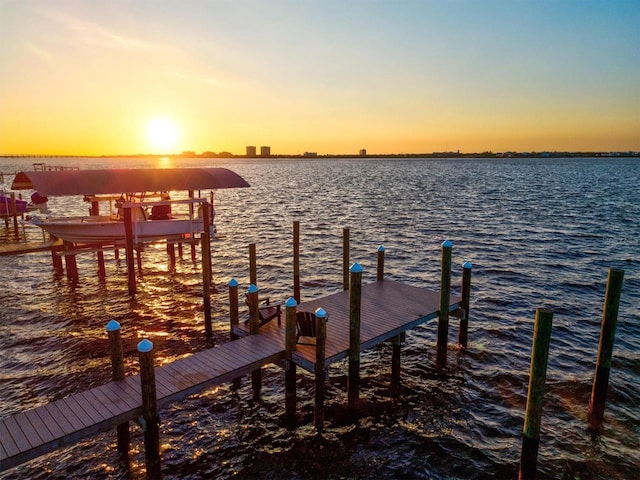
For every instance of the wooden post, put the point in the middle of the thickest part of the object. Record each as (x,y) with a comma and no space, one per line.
(14,213)
(535,396)
(464,304)
(321,338)
(150,419)
(253,269)
(180,252)
(290,371)
(605,349)
(396,344)
(380,269)
(254,328)
(206,275)
(138,249)
(117,374)
(95,210)
(296,260)
(56,260)
(345,259)
(355,300)
(171,251)
(445,293)
(70,262)
(128,233)
(234,315)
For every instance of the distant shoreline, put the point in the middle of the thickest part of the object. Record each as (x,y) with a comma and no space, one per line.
(355,156)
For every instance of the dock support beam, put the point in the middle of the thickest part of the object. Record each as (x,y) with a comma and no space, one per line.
(605,349)
(355,300)
(290,369)
(70,263)
(149,410)
(345,259)
(234,314)
(296,260)
(445,293)
(535,396)
(128,233)
(205,240)
(320,387)
(117,374)
(380,269)
(253,270)
(464,304)
(254,327)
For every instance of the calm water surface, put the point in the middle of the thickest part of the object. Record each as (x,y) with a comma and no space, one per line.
(539,232)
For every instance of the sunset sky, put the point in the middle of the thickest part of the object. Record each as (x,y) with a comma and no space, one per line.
(126,77)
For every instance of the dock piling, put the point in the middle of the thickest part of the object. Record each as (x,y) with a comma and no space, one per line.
(254,328)
(234,314)
(445,292)
(205,245)
(535,396)
(465,299)
(355,300)
(117,374)
(290,370)
(149,409)
(320,373)
(345,258)
(380,269)
(296,260)
(605,349)
(253,270)
(128,233)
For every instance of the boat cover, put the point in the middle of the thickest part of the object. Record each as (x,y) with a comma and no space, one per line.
(114,181)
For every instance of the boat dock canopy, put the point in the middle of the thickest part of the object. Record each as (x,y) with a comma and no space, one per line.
(93,182)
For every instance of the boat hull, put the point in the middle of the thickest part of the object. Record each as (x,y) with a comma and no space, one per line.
(94,229)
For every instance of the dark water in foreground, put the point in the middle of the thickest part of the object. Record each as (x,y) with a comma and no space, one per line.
(539,232)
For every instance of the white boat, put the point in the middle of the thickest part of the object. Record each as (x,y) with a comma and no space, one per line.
(96,229)
(150,220)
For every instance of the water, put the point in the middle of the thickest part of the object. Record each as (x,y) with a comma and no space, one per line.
(539,232)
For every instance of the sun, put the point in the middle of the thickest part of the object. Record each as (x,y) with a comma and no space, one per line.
(162,135)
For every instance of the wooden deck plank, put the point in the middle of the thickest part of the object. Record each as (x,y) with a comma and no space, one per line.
(19,439)
(52,423)
(73,411)
(62,414)
(39,426)
(29,431)
(122,393)
(8,443)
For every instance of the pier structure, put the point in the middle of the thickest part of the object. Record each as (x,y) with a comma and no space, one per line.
(376,312)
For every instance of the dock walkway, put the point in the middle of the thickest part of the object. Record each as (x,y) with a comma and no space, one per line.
(27,435)
(388,308)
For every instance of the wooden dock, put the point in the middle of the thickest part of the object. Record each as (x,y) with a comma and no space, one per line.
(388,308)
(35,432)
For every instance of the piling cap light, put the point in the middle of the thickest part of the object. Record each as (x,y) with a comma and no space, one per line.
(145,346)
(291,302)
(356,268)
(233,282)
(320,312)
(252,288)
(113,326)
(447,244)
(467,265)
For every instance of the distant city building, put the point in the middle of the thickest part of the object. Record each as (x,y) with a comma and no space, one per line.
(265,151)
(363,152)
(251,151)
(310,154)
